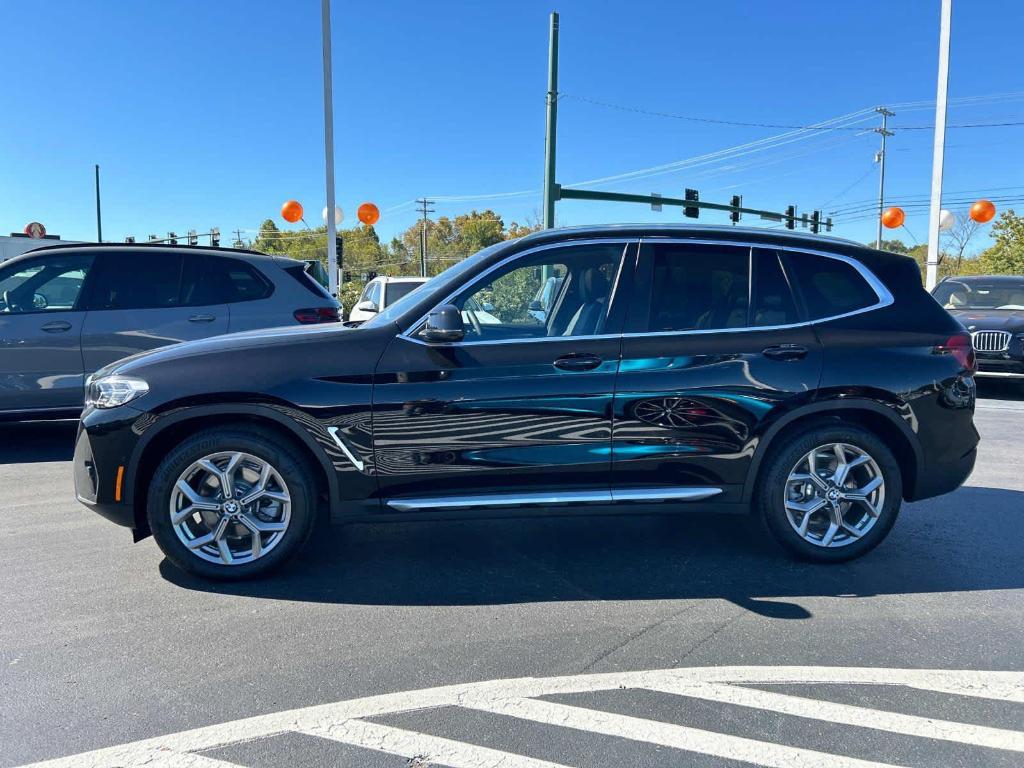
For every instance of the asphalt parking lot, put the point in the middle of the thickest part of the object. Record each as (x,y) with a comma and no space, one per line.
(103,643)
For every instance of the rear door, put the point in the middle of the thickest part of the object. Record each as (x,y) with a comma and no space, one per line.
(714,348)
(40,329)
(140,300)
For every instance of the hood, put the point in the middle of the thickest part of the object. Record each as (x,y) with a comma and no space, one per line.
(265,339)
(1011,320)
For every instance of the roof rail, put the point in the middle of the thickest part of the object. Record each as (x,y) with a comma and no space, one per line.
(58,246)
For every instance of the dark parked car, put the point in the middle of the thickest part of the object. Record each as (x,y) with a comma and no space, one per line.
(678,369)
(992,309)
(69,310)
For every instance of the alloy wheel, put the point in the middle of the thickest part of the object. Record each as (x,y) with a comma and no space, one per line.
(230,508)
(834,495)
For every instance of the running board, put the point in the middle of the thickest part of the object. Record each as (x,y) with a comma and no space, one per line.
(692,493)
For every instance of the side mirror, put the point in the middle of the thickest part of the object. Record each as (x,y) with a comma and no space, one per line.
(443,324)
(367,306)
(535,306)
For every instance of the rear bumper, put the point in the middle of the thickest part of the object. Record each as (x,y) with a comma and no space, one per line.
(937,479)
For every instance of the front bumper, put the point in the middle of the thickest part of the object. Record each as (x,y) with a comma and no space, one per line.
(103,448)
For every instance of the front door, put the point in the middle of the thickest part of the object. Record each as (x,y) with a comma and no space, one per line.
(142,300)
(40,329)
(714,347)
(520,410)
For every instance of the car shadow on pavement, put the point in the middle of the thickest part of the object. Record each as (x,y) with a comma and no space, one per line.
(28,443)
(956,543)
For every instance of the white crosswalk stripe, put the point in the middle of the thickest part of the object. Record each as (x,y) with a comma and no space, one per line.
(351,722)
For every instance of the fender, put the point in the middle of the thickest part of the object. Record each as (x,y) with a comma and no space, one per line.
(186,413)
(827,407)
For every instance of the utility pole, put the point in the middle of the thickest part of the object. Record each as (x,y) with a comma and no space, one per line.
(938,153)
(880,159)
(425,208)
(332,255)
(551,130)
(99,220)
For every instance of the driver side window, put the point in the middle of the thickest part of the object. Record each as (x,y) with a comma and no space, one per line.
(46,285)
(555,292)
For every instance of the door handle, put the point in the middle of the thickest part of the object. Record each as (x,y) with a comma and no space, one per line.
(786,352)
(202,318)
(57,326)
(578,362)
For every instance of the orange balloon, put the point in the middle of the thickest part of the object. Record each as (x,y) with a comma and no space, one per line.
(893,218)
(369,214)
(983,211)
(291,211)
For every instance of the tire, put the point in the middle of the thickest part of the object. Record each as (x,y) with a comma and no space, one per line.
(779,500)
(285,521)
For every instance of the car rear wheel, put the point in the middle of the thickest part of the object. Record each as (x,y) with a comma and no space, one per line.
(231,504)
(831,493)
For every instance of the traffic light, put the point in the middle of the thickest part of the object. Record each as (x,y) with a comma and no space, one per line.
(215,237)
(691,211)
(129,238)
(172,239)
(828,224)
(371,275)
(790,217)
(193,238)
(339,247)
(346,277)
(734,214)
(815,222)
(153,238)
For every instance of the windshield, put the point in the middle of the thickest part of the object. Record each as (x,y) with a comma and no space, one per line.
(436,288)
(956,294)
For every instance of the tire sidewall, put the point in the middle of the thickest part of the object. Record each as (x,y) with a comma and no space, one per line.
(265,447)
(782,461)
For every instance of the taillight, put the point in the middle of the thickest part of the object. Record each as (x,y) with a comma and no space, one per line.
(961,348)
(315,315)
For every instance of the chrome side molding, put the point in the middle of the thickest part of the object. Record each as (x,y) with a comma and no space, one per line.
(356,462)
(690,493)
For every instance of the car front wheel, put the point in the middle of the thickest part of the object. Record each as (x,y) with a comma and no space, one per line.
(231,504)
(831,493)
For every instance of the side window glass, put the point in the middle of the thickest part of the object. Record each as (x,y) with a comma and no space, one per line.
(773,302)
(208,280)
(374,295)
(829,286)
(556,292)
(138,281)
(46,285)
(698,288)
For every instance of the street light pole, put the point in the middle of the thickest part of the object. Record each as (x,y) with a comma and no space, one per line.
(938,154)
(99,219)
(332,254)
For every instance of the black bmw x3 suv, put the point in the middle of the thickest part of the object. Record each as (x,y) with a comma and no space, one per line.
(811,381)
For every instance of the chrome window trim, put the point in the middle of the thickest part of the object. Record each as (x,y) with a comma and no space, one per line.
(884,296)
(603,496)
(409,334)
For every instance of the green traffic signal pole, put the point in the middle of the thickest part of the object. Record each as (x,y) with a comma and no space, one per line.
(564,193)
(551,129)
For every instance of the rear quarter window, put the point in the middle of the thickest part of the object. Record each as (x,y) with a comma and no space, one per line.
(299,274)
(829,286)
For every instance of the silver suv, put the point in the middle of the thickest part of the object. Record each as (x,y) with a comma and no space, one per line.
(69,310)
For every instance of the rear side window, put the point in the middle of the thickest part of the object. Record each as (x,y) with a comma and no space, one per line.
(395,291)
(210,280)
(300,274)
(699,288)
(829,287)
(137,281)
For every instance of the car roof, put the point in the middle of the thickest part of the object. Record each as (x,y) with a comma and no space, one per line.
(217,250)
(714,231)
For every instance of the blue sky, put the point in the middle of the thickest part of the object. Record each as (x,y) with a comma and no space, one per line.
(209,113)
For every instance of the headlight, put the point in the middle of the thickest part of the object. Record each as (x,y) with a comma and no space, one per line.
(112,391)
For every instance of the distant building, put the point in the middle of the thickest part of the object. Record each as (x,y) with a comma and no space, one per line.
(17,244)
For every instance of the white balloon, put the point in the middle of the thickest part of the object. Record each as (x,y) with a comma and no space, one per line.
(339,215)
(946,220)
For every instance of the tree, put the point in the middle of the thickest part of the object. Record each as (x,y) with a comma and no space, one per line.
(1006,257)
(893,246)
(957,238)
